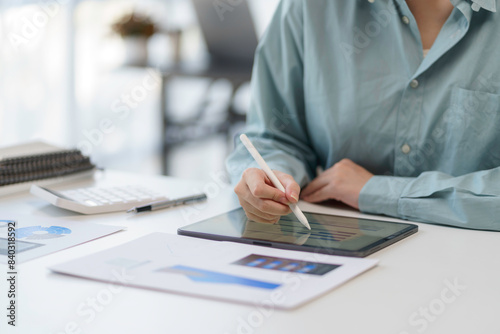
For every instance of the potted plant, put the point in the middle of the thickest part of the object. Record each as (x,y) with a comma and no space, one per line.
(135,30)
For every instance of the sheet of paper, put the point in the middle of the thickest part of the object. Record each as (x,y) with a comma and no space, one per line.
(36,147)
(35,237)
(221,270)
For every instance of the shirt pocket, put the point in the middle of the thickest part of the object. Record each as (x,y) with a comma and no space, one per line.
(472,129)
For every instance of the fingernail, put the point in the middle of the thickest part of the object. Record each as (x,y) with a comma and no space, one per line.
(283,200)
(294,196)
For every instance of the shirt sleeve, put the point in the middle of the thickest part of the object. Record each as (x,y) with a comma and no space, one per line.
(469,201)
(276,121)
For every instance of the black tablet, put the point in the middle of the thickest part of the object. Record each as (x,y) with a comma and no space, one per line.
(329,234)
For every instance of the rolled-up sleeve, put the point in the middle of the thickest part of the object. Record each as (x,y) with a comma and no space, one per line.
(469,201)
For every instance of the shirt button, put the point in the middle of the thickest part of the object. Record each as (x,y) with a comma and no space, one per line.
(414,84)
(405,148)
(405,20)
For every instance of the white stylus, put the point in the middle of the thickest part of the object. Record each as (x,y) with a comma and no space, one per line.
(262,164)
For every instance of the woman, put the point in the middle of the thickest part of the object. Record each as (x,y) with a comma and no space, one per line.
(398,102)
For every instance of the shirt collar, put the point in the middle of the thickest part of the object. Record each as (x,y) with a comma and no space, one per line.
(476,5)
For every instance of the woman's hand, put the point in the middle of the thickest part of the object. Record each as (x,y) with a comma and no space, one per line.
(342,182)
(263,202)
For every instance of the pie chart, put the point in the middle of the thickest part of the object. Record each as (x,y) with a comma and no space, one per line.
(41,232)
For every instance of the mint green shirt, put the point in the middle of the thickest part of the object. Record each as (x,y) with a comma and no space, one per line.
(338,79)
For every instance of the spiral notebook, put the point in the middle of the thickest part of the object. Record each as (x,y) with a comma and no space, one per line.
(42,164)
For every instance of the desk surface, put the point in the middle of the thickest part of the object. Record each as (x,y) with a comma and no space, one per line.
(440,280)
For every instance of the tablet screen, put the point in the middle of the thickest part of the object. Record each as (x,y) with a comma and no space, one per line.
(327,231)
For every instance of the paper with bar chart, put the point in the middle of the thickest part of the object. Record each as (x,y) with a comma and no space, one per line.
(220,270)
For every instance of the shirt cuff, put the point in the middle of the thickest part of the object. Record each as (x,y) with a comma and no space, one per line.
(294,168)
(381,195)
(239,161)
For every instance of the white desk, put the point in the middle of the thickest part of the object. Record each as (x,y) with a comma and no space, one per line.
(410,277)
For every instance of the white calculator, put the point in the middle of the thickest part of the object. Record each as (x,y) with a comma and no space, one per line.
(96,200)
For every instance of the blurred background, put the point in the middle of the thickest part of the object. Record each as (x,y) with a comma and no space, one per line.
(151,86)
